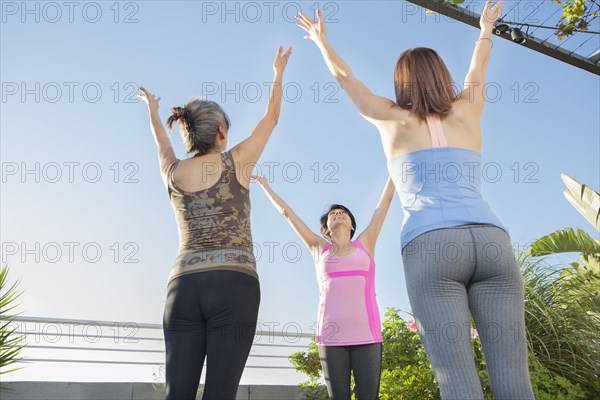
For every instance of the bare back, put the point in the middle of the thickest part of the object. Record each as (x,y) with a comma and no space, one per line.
(403,134)
(202,172)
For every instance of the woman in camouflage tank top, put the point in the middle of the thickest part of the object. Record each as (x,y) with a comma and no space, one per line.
(213,289)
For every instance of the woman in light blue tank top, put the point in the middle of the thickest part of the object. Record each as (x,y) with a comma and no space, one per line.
(456,253)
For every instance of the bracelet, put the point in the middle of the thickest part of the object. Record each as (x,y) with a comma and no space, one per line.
(492,43)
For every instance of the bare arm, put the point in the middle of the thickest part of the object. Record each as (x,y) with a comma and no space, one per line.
(311,239)
(372,107)
(369,236)
(166,155)
(250,150)
(473,91)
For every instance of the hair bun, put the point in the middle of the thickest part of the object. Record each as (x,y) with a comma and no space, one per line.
(179,114)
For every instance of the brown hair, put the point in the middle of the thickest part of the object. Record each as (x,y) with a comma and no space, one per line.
(199,121)
(423,83)
(323,220)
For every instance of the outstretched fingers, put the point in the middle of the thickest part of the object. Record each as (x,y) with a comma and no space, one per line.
(303,25)
(147,97)
(307,20)
(287,54)
(492,13)
(320,18)
(144,95)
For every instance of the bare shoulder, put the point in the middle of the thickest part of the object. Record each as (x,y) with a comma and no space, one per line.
(397,132)
(205,169)
(462,126)
(398,124)
(467,107)
(394,115)
(464,113)
(366,242)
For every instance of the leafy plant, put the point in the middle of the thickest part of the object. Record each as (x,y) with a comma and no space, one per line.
(576,15)
(11,344)
(549,386)
(562,323)
(564,318)
(309,363)
(406,372)
(587,202)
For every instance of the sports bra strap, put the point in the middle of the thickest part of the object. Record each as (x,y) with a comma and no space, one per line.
(360,246)
(435,131)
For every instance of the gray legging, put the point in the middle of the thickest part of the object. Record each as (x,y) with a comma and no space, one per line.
(451,272)
(363,360)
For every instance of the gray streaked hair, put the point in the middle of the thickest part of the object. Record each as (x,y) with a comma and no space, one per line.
(199,120)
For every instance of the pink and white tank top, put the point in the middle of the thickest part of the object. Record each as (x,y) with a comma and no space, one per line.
(348,312)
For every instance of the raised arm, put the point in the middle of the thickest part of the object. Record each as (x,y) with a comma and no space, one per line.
(372,107)
(166,155)
(369,236)
(311,239)
(249,151)
(474,87)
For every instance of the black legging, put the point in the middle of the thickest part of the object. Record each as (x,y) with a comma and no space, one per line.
(363,360)
(209,314)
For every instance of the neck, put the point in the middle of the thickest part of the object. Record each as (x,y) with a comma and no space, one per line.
(216,150)
(340,239)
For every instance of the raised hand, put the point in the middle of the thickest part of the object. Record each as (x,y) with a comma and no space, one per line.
(149,99)
(317,31)
(490,15)
(281,60)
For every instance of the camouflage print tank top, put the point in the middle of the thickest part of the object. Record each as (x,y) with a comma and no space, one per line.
(214,225)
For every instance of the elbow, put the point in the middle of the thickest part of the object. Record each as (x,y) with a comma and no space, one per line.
(342,78)
(272,117)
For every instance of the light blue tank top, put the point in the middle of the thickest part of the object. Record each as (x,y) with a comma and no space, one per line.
(439,187)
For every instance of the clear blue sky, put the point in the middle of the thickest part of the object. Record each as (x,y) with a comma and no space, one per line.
(68,105)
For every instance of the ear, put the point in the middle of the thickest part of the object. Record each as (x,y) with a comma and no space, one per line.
(222,132)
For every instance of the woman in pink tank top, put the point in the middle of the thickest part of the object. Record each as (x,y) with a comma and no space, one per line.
(349,328)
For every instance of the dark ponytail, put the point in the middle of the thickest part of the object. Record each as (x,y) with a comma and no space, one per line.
(181,114)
